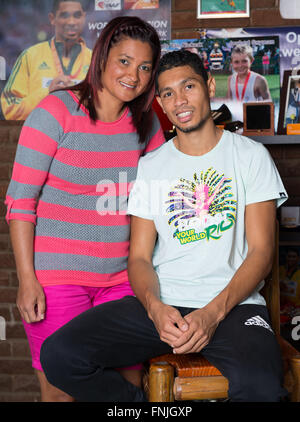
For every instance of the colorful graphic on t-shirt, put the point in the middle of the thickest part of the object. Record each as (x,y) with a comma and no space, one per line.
(202,208)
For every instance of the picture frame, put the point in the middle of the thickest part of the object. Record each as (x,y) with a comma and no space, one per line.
(290,217)
(34,28)
(289,274)
(216,56)
(289,112)
(258,118)
(215,9)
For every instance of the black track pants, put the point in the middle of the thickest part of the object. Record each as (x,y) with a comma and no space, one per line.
(79,358)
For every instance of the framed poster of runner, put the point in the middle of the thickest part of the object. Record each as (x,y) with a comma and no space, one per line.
(39,54)
(256,80)
(212,9)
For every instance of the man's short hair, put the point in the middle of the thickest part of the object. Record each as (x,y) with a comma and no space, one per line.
(180,58)
(56,3)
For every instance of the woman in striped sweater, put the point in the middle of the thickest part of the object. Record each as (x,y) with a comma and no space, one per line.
(66,203)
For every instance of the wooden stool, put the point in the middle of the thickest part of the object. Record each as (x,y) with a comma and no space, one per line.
(195,379)
(192,377)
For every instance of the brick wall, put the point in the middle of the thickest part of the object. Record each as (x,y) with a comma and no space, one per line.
(17,380)
(263,13)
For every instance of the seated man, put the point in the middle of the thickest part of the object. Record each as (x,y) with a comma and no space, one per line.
(202,240)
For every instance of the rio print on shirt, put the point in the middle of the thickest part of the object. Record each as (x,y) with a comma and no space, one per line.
(201,208)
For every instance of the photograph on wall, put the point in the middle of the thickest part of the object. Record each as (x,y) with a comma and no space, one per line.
(245,69)
(39,52)
(289,282)
(289,276)
(289,113)
(289,41)
(292,105)
(212,9)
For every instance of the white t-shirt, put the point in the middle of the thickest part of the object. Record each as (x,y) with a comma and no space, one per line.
(198,204)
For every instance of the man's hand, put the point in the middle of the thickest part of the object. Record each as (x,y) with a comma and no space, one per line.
(202,325)
(168,321)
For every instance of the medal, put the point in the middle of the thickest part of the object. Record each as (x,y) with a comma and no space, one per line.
(58,63)
(244,87)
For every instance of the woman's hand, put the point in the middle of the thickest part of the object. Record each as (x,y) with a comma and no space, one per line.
(31,300)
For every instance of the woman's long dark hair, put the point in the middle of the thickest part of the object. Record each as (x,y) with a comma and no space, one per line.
(117,29)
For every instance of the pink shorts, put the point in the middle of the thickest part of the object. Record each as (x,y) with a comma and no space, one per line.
(64,302)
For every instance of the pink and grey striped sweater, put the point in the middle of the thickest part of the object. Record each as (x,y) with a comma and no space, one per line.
(71,179)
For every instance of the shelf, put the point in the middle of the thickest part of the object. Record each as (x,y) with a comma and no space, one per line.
(277,139)
(289,237)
